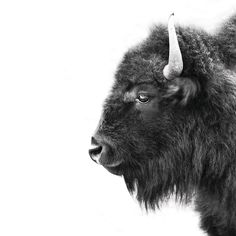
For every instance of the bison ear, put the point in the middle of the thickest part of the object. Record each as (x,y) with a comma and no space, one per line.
(181,90)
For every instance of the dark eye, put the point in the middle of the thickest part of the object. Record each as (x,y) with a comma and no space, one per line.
(143,98)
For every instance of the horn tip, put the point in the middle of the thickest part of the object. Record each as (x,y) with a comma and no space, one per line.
(171,16)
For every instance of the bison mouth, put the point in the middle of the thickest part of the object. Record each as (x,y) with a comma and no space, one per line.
(104,153)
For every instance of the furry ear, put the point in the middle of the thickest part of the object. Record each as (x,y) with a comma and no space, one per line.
(181,90)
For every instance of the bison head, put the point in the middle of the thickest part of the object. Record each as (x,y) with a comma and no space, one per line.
(163,126)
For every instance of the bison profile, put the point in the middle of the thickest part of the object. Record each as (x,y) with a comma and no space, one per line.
(169,124)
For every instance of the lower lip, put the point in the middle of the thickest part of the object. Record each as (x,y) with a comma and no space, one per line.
(115,164)
(114,170)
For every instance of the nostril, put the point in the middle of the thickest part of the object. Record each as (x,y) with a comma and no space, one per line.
(95,153)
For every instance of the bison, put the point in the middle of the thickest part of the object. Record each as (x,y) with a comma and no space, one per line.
(169,124)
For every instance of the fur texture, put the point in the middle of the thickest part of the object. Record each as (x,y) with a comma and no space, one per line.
(183,141)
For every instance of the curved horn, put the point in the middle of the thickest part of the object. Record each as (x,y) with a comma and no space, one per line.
(175,64)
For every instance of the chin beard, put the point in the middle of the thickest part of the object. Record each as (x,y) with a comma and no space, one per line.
(152,188)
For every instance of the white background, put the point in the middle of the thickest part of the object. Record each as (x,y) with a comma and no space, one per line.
(57,61)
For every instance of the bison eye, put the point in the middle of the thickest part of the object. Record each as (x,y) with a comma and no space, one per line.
(143,98)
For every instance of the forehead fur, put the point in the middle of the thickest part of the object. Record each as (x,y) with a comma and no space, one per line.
(137,69)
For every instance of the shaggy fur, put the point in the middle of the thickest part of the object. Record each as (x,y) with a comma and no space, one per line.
(184,141)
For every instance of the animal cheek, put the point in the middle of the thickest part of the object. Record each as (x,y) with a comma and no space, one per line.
(148,111)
